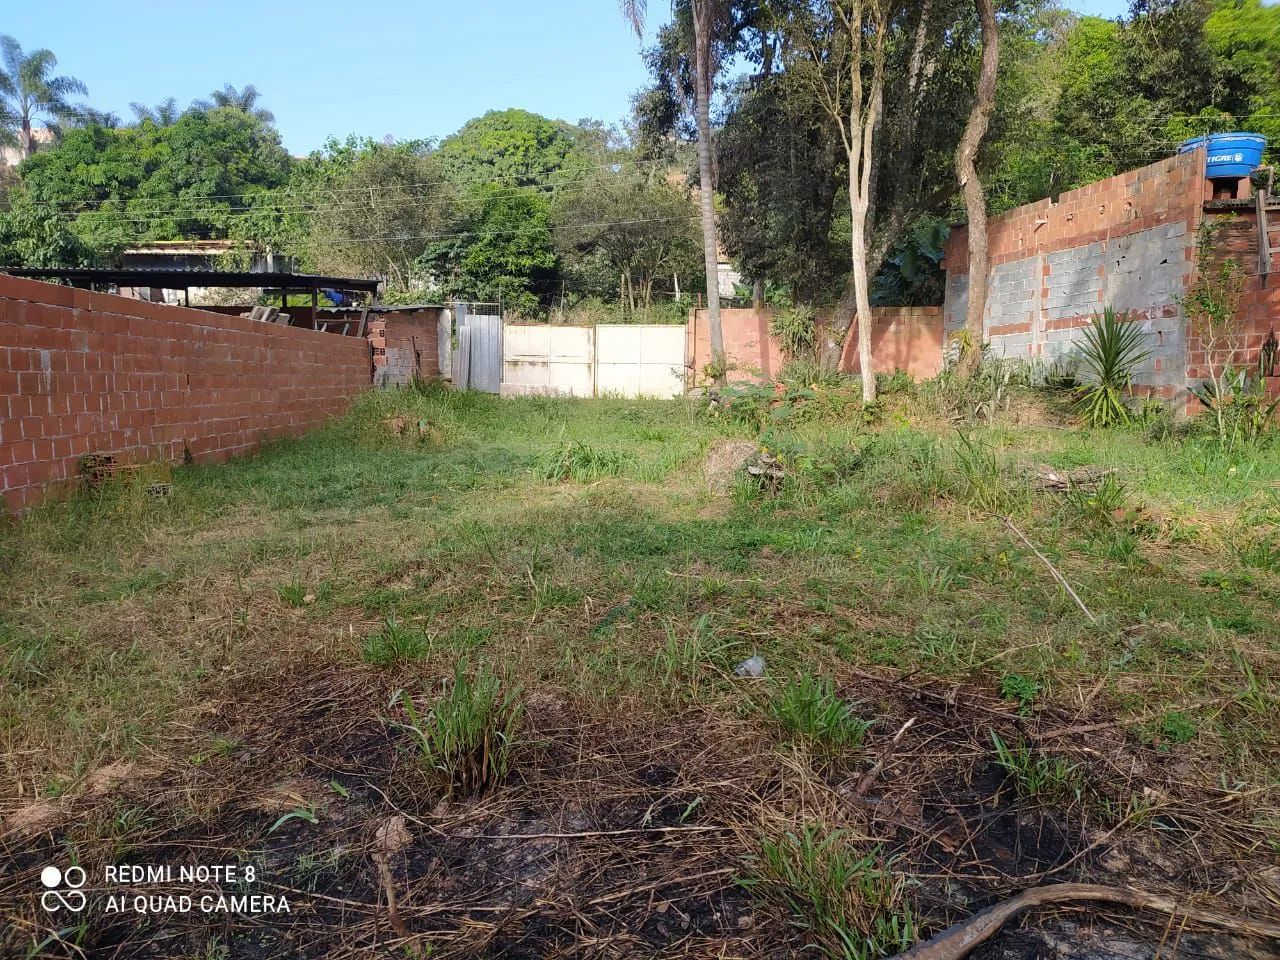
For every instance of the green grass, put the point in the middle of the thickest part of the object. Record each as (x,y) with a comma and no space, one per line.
(575,543)
(848,898)
(808,707)
(1036,775)
(469,737)
(395,643)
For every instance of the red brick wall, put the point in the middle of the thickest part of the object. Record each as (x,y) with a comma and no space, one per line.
(405,346)
(1168,191)
(1260,299)
(85,372)
(903,338)
(907,338)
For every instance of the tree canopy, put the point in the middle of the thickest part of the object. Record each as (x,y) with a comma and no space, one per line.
(541,212)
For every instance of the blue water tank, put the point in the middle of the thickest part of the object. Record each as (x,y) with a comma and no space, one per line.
(1229,155)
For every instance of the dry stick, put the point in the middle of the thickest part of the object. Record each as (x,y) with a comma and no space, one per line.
(870,776)
(959,940)
(1062,581)
(635,831)
(388,887)
(1120,722)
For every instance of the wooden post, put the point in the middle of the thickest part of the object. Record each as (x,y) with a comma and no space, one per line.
(1260,197)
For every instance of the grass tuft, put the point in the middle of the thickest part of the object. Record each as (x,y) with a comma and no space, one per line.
(469,737)
(808,707)
(579,461)
(394,644)
(850,899)
(1037,775)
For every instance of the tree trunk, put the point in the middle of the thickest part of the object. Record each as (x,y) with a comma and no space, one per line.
(706,184)
(975,200)
(28,138)
(864,121)
(861,293)
(757,294)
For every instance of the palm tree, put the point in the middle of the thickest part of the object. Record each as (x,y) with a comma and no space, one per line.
(30,92)
(89,117)
(705,14)
(245,100)
(163,114)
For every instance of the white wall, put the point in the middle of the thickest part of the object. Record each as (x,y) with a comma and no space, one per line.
(640,360)
(606,360)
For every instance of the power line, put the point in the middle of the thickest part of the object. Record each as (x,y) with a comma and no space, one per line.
(500,233)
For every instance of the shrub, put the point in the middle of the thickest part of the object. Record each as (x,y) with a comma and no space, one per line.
(796,332)
(977,396)
(1112,350)
(469,737)
(1240,405)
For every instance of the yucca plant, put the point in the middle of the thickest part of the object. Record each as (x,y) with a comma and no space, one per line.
(1112,349)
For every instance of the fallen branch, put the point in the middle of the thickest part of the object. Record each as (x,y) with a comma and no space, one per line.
(1062,581)
(959,940)
(887,751)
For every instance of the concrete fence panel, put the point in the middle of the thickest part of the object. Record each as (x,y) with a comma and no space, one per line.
(546,359)
(640,360)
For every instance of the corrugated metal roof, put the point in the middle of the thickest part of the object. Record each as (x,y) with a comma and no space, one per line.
(177,278)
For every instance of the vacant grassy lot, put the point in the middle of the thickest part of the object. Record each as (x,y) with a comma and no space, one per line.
(456,675)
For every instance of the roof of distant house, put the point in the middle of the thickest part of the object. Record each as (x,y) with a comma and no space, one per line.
(179,279)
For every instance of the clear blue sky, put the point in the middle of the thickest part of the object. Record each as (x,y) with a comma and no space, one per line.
(409,68)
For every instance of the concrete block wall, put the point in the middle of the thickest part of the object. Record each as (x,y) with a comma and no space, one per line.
(92,373)
(1127,242)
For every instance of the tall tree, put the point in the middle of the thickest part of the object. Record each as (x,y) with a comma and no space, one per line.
(630,227)
(163,114)
(975,200)
(245,99)
(514,147)
(705,17)
(31,93)
(844,42)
